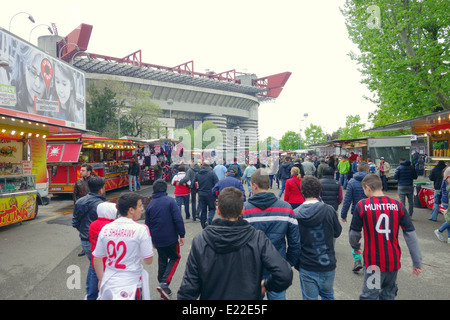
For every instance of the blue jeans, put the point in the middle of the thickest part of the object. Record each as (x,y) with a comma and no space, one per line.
(314,284)
(132,182)
(183,199)
(249,184)
(444,226)
(283,186)
(435,211)
(343,179)
(384,182)
(208,209)
(91,280)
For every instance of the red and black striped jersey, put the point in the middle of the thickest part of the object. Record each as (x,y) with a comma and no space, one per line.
(381,218)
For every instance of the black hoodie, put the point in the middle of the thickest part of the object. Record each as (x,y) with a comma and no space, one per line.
(226,262)
(319,225)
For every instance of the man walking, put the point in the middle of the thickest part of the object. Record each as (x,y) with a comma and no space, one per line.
(354,194)
(226,260)
(384,171)
(166,225)
(276,219)
(381,218)
(84,213)
(204,181)
(405,174)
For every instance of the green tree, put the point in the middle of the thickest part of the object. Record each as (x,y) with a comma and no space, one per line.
(101,110)
(314,134)
(290,141)
(353,129)
(404,55)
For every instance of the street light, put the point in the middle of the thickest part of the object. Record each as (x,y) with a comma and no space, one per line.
(42,24)
(29,18)
(65,45)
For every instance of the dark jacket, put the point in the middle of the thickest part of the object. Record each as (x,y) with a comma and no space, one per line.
(190,175)
(81,188)
(164,220)
(405,174)
(228,181)
(436,175)
(319,225)
(278,223)
(206,179)
(133,169)
(300,167)
(85,212)
(226,262)
(285,170)
(331,191)
(354,193)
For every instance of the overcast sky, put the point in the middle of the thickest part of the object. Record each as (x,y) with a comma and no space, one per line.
(307,38)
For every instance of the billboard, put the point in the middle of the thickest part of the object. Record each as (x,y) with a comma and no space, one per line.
(39,87)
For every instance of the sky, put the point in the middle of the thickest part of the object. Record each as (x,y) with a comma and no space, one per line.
(307,38)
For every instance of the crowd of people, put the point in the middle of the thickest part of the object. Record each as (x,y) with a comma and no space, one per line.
(249,249)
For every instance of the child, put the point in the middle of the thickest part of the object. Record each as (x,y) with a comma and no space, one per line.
(381,218)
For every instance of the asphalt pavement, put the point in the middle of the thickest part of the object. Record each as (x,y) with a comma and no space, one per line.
(39,258)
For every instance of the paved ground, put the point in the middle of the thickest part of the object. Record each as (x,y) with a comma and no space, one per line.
(39,259)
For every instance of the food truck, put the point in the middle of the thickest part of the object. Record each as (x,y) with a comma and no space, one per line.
(108,157)
(32,107)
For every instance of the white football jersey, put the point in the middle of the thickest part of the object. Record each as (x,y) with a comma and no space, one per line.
(124,242)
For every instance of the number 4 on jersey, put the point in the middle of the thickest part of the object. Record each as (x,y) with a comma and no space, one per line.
(380,223)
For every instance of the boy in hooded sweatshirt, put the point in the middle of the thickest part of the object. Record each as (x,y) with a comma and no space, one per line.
(227,258)
(318,225)
(275,217)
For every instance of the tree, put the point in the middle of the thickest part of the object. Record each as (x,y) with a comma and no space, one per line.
(290,141)
(404,55)
(101,109)
(314,135)
(353,129)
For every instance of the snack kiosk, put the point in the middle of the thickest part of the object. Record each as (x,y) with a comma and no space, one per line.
(22,165)
(108,157)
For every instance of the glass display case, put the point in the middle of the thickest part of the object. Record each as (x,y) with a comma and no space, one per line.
(8,169)
(16,183)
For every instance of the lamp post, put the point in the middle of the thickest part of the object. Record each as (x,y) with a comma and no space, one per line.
(30,17)
(65,45)
(42,24)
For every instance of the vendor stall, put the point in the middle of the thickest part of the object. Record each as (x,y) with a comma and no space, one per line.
(22,169)
(108,157)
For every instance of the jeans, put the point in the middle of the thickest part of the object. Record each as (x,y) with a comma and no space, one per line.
(249,184)
(283,186)
(208,207)
(384,182)
(343,180)
(379,285)
(271,180)
(138,184)
(183,199)
(315,284)
(444,226)
(132,182)
(195,207)
(407,191)
(91,280)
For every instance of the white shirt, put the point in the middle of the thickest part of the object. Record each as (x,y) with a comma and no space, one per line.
(124,242)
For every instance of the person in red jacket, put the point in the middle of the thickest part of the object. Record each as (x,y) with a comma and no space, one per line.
(293,192)
(182,191)
(106,213)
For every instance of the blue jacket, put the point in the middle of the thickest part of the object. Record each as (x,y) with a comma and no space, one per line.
(353,194)
(265,212)
(206,180)
(164,220)
(405,174)
(228,181)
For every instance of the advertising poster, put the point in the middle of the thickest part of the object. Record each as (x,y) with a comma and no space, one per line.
(36,86)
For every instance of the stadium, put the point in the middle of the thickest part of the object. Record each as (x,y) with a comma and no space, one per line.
(229,99)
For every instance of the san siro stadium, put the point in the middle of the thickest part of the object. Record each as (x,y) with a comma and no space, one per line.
(228,99)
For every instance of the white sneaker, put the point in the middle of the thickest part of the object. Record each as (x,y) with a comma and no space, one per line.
(439,235)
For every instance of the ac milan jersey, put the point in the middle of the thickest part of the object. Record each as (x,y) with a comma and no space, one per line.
(380,218)
(124,242)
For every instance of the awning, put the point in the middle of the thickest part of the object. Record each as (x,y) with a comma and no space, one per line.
(67,152)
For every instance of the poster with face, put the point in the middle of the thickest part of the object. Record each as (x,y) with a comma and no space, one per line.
(36,86)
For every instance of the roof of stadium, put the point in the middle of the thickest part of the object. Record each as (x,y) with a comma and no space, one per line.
(73,48)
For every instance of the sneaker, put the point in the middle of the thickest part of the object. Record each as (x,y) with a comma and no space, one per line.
(357,266)
(165,292)
(439,235)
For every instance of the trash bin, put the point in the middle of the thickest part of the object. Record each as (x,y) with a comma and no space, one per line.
(417,188)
